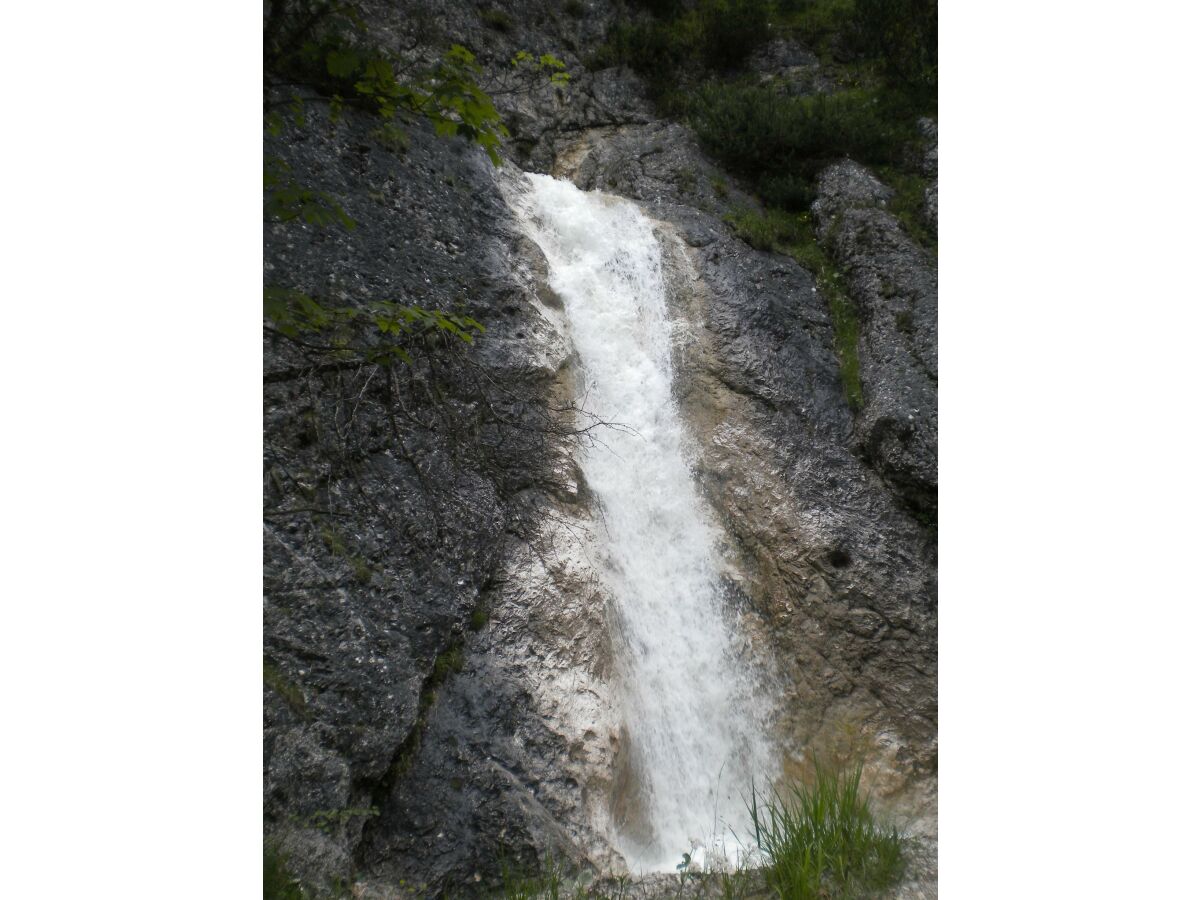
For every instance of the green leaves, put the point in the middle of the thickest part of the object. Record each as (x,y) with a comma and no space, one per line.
(448,95)
(285,199)
(297,108)
(374,334)
(546,63)
(327,820)
(342,62)
(456,106)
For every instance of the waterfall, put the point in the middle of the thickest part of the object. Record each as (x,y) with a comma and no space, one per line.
(693,733)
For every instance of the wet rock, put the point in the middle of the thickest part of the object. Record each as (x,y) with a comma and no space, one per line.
(840,580)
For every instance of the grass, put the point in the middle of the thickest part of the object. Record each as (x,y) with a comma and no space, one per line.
(822,840)
(497,20)
(448,662)
(479,616)
(278,882)
(290,692)
(780,231)
(546,884)
(335,544)
(817,23)
(908,204)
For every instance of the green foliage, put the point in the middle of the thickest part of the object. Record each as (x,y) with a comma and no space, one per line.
(290,692)
(719,34)
(392,137)
(661,8)
(323,45)
(337,546)
(653,49)
(822,841)
(451,661)
(780,142)
(773,230)
(845,337)
(447,96)
(278,882)
(330,820)
(574,8)
(817,23)
(732,29)
(448,662)
(908,203)
(903,34)
(546,64)
(376,333)
(497,19)
(285,199)
(547,883)
(793,233)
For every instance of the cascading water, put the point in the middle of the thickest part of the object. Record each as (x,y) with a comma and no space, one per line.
(694,732)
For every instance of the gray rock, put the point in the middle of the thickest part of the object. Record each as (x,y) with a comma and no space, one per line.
(844,186)
(893,283)
(929,165)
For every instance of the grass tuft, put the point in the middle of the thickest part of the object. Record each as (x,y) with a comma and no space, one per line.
(278,882)
(546,884)
(822,841)
(908,204)
(497,20)
(290,692)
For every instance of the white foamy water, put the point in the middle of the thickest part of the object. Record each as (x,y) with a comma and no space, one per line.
(694,736)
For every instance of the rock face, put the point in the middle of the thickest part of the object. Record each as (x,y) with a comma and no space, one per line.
(436,652)
(893,283)
(392,496)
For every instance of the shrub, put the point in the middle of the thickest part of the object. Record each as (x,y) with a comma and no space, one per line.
(663,8)
(653,49)
(816,22)
(903,33)
(822,840)
(732,29)
(781,142)
(497,20)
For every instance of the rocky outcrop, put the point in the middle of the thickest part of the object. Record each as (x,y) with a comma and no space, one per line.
(893,283)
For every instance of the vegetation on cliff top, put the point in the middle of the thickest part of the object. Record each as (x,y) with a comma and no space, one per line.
(877,77)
